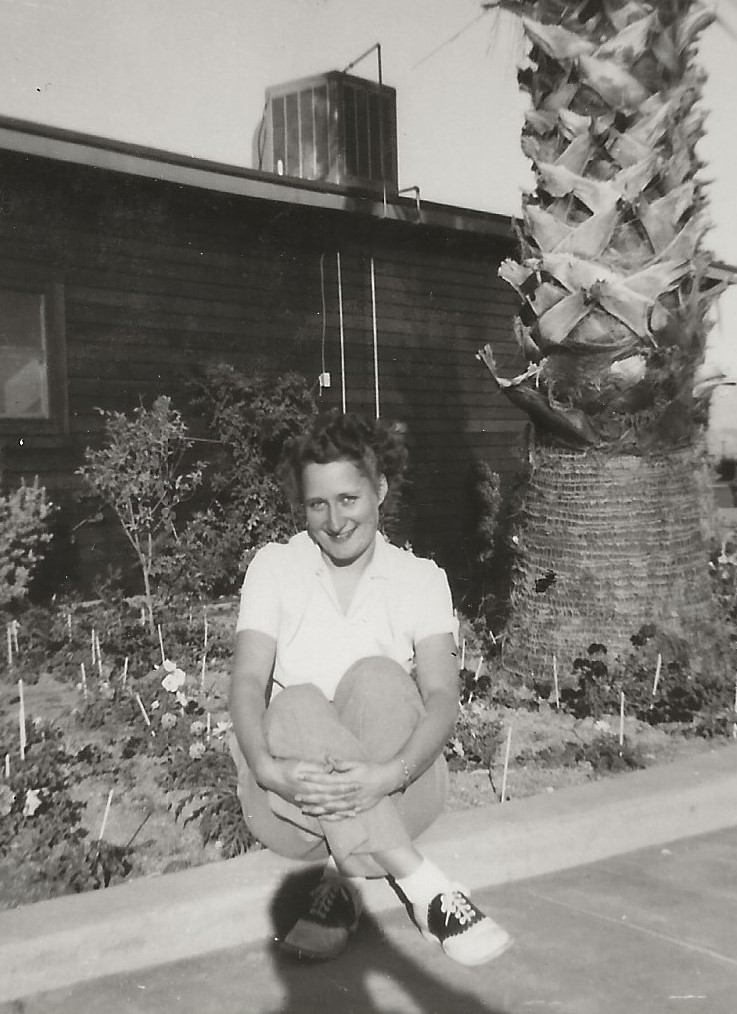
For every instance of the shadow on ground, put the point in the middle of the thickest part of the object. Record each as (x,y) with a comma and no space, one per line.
(373,976)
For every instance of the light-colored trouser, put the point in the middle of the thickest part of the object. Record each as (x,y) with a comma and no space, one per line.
(375,709)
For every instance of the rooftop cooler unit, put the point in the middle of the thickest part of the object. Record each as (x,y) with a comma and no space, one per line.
(334,127)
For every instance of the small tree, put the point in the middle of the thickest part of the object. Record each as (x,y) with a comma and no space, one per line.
(136,473)
(251,415)
(24,522)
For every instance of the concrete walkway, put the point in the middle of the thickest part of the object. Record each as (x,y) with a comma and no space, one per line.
(202,915)
(650,932)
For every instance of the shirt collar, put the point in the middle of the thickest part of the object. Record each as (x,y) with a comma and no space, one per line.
(379,565)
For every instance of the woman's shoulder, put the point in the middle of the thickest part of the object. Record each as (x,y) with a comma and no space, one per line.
(284,555)
(407,564)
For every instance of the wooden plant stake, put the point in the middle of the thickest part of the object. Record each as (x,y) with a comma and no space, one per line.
(506,764)
(734,727)
(15,627)
(463,653)
(93,645)
(478,669)
(555,682)
(69,626)
(105,816)
(84,679)
(204,654)
(657,674)
(146,719)
(621,718)
(22,720)
(10,647)
(125,672)
(161,645)
(7,767)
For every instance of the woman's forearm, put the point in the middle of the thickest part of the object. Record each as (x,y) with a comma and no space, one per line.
(428,738)
(247,712)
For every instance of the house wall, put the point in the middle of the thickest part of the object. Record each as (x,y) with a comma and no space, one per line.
(160,279)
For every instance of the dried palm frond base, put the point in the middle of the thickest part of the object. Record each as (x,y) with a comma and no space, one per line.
(606,544)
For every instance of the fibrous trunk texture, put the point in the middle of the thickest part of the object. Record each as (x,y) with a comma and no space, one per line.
(606,544)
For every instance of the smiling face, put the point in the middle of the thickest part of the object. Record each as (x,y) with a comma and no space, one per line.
(342,510)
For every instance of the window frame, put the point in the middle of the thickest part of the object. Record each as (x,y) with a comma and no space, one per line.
(51,289)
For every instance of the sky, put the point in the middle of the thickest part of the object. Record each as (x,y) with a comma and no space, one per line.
(189,76)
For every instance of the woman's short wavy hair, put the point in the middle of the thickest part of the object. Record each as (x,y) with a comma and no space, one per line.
(375,447)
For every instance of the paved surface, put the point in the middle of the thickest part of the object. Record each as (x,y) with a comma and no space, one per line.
(649,932)
(184,916)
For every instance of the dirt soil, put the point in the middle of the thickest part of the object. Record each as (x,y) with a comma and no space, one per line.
(542,747)
(537,758)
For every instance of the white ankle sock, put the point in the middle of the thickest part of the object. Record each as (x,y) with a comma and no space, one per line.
(423,885)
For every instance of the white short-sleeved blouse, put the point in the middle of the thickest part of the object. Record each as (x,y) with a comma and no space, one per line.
(288,594)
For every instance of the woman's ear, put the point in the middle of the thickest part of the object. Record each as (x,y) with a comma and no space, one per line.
(383,488)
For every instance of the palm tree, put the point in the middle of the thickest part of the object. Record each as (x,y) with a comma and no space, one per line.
(615,287)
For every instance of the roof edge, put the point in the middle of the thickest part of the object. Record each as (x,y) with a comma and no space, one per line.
(57,143)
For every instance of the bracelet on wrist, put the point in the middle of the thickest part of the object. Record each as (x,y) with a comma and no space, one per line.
(406,773)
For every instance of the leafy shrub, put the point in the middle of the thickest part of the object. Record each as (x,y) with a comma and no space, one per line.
(137,474)
(252,416)
(489,498)
(685,693)
(211,798)
(476,739)
(42,821)
(25,514)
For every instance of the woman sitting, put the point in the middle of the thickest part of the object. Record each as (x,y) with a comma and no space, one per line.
(352,642)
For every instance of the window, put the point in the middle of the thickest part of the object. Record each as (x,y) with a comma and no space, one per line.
(32,357)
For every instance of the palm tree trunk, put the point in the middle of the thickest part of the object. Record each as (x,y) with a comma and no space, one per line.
(615,287)
(606,544)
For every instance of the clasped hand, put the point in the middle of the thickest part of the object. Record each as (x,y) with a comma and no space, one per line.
(339,788)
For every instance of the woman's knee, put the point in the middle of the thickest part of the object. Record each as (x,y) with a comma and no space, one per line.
(298,701)
(378,678)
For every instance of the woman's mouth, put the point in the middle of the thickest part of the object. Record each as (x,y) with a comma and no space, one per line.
(340,536)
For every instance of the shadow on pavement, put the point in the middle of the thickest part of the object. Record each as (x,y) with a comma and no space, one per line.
(372,976)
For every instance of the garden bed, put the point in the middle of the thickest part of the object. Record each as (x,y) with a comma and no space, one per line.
(126,769)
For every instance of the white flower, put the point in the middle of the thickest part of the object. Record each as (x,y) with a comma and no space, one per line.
(174,678)
(602,725)
(197,728)
(182,699)
(197,750)
(7,798)
(168,720)
(458,747)
(155,705)
(32,802)
(222,728)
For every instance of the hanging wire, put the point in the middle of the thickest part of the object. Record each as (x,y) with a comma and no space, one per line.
(323,319)
(376,338)
(342,333)
(447,42)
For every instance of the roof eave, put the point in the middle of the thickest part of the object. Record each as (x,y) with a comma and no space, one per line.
(55,143)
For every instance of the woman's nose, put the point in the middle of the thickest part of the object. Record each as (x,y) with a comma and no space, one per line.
(335,518)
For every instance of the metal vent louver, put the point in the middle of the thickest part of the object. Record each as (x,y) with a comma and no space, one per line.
(333,127)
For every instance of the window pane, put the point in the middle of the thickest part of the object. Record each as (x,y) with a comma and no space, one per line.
(24,386)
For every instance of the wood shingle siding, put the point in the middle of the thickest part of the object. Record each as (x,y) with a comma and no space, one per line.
(160,279)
